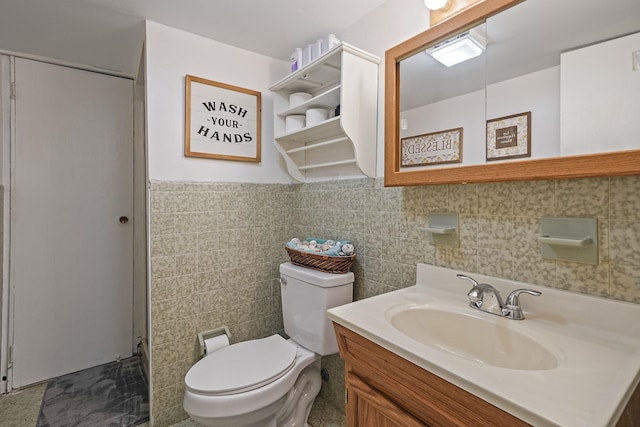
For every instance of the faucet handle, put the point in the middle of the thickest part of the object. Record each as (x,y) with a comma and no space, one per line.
(512,307)
(474,294)
(471,279)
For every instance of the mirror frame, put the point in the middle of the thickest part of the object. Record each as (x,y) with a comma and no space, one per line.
(619,163)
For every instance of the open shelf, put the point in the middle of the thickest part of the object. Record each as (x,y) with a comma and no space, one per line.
(346,77)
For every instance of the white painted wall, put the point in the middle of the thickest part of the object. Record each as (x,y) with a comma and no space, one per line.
(170,55)
(539,93)
(385,27)
(600,98)
(465,111)
(536,92)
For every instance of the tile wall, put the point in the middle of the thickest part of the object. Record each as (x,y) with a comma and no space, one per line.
(216,248)
(215,251)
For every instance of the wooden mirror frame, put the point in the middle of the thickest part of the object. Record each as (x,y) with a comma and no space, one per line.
(619,163)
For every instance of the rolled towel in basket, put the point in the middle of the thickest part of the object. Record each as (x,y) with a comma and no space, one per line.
(330,252)
(333,251)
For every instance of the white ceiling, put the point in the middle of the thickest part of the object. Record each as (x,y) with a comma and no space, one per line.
(108,34)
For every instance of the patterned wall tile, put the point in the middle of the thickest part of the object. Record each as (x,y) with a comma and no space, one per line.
(495,232)
(203,239)
(162,223)
(166,406)
(588,198)
(435,198)
(163,289)
(583,278)
(186,222)
(495,199)
(625,203)
(625,242)
(164,333)
(533,198)
(625,283)
(468,225)
(463,198)
(465,258)
(233,235)
(163,245)
(164,311)
(163,201)
(392,199)
(496,263)
(186,201)
(532,268)
(187,284)
(186,243)
(525,235)
(163,266)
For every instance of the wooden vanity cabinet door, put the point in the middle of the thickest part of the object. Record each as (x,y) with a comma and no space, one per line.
(367,407)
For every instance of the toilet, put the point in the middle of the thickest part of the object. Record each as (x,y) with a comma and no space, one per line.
(273,381)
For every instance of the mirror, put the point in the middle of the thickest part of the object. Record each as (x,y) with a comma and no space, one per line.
(518,50)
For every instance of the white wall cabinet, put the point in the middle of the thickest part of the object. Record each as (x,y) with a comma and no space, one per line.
(344,145)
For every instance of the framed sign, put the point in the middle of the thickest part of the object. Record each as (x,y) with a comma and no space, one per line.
(432,148)
(509,137)
(222,121)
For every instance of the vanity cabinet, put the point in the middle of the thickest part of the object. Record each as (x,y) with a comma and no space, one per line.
(345,82)
(371,408)
(386,390)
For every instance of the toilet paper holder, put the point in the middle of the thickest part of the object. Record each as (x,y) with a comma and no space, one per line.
(205,335)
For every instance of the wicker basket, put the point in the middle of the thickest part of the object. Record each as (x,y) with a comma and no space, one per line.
(326,263)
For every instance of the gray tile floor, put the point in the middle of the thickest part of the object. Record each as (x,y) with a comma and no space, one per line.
(21,408)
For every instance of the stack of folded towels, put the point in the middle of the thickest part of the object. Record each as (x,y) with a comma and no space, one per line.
(322,246)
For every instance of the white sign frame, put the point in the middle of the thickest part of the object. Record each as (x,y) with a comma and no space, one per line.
(222,121)
(432,148)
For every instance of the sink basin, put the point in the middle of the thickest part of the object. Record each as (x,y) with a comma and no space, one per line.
(492,341)
(573,361)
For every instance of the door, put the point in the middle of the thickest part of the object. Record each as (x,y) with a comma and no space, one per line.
(71,224)
(366,407)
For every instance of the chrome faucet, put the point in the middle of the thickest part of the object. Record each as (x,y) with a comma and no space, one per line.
(485,297)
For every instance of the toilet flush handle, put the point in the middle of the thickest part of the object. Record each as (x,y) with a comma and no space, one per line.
(283,281)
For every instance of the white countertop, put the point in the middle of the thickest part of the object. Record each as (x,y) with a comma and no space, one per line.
(596,341)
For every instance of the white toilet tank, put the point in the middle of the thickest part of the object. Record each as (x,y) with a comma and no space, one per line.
(306,296)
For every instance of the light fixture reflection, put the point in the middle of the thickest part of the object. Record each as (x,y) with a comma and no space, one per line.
(458,49)
(437,4)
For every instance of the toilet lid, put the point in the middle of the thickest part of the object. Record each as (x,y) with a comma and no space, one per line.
(242,367)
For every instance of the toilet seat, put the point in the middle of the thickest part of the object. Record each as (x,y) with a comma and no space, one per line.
(242,367)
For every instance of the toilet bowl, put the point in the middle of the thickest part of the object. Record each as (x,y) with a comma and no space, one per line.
(272,381)
(255,390)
